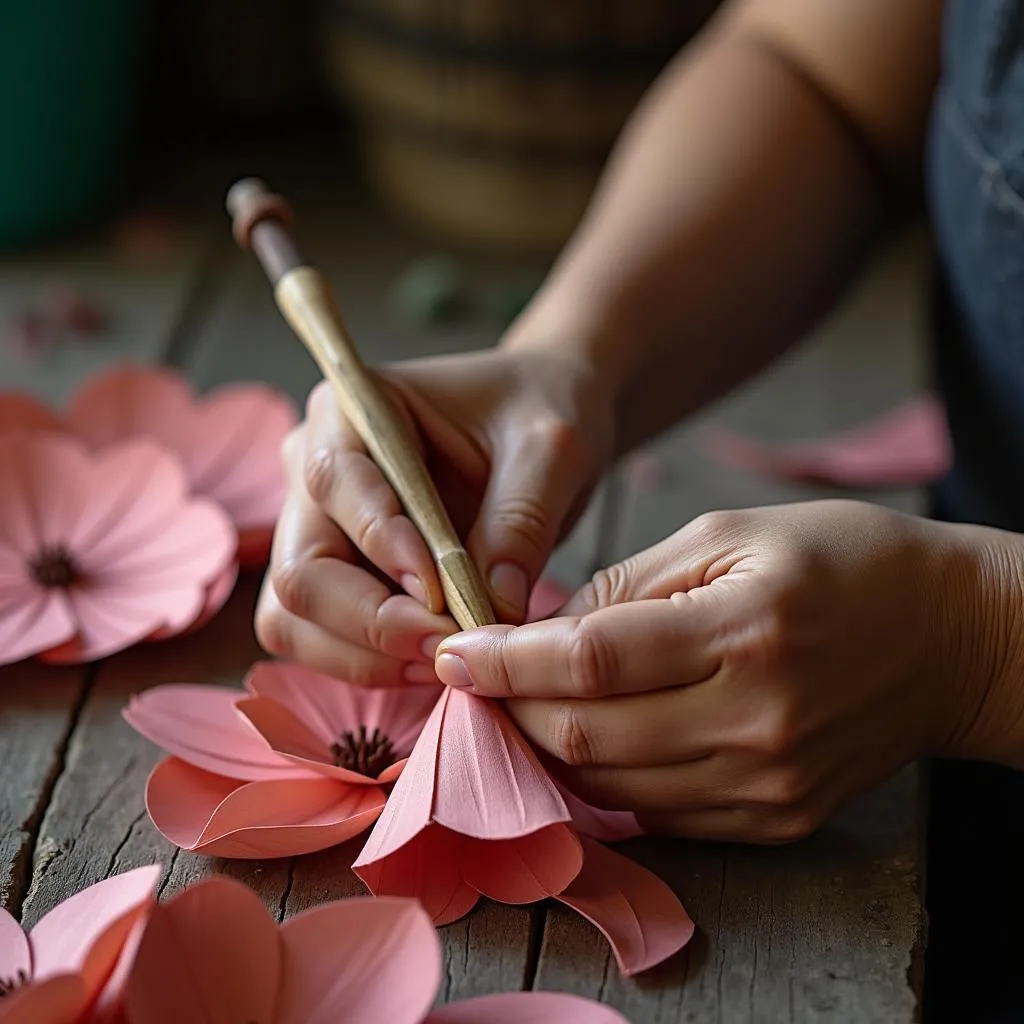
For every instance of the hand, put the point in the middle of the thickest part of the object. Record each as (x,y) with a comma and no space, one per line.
(515,442)
(749,674)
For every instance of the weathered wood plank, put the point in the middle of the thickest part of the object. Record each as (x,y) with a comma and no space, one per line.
(144,305)
(37,714)
(95,824)
(828,930)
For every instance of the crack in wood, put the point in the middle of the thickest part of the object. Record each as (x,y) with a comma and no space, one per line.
(23,866)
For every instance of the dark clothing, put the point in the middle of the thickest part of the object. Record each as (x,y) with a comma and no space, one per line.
(975,964)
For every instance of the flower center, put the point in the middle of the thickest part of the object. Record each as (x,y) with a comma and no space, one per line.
(8,985)
(368,755)
(54,568)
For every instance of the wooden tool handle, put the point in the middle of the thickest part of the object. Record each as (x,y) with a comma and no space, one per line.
(261,222)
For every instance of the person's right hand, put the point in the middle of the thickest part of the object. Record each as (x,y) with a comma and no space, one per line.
(514,439)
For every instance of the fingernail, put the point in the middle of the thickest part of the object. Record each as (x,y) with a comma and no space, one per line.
(452,671)
(430,643)
(509,584)
(413,586)
(418,674)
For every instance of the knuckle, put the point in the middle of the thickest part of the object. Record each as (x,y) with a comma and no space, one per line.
(320,474)
(776,734)
(792,827)
(526,518)
(592,661)
(366,530)
(292,445)
(714,526)
(290,581)
(571,742)
(785,787)
(609,586)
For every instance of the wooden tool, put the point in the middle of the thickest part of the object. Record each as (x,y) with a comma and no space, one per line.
(261,221)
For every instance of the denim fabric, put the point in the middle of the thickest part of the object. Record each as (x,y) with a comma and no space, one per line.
(975,962)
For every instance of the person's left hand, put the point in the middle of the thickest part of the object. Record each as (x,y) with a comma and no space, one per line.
(749,674)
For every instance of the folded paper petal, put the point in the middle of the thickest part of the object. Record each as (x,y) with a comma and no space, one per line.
(329,707)
(608,826)
(201,725)
(527,1008)
(31,619)
(546,598)
(211,955)
(229,442)
(58,1000)
(909,446)
(361,961)
(217,594)
(635,910)
(200,811)
(473,812)
(85,934)
(489,782)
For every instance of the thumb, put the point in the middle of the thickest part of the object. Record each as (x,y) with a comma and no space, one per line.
(702,551)
(535,482)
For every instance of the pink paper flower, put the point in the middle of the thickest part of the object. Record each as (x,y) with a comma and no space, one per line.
(99,551)
(72,963)
(229,441)
(19,411)
(474,813)
(214,954)
(292,764)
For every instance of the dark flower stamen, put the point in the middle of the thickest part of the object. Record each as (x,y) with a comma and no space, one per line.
(368,755)
(54,568)
(8,985)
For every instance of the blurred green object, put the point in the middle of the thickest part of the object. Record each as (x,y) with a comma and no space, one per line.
(432,291)
(69,78)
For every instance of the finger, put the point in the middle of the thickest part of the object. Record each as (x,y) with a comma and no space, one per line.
(312,581)
(534,483)
(701,553)
(345,482)
(630,648)
(288,636)
(649,730)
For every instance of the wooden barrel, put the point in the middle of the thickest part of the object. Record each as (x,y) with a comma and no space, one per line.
(487,121)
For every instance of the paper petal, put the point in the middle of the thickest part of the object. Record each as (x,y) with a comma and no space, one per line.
(489,782)
(527,1008)
(546,598)
(197,810)
(19,411)
(361,961)
(634,909)
(427,868)
(31,621)
(212,954)
(330,707)
(200,725)
(608,826)
(15,956)
(523,870)
(59,1000)
(909,446)
(85,933)
(217,595)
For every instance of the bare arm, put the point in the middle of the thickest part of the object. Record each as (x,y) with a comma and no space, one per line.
(745,192)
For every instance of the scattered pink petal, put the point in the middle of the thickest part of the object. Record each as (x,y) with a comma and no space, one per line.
(99,551)
(907,447)
(229,441)
(472,813)
(634,909)
(212,953)
(546,598)
(19,411)
(66,964)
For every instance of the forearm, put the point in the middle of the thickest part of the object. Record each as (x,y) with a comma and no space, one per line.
(737,205)
(985,617)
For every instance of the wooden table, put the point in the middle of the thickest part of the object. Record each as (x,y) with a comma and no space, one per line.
(827,930)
